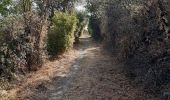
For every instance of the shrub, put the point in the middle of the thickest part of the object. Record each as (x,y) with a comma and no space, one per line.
(94,29)
(61,34)
(137,36)
(9,41)
(81,17)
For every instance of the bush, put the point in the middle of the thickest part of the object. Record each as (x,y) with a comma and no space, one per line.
(13,48)
(81,17)
(61,34)
(94,29)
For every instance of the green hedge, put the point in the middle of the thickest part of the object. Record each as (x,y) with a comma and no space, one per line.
(61,34)
(80,25)
(94,29)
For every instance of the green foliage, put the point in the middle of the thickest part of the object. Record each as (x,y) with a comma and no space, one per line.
(9,41)
(61,34)
(81,16)
(23,29)
(4,6)
(94,29)
(1,36)
(134,32)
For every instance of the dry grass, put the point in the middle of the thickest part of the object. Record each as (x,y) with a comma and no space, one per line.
(48,70)
(87,73)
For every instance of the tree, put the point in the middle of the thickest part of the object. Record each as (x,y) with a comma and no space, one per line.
(4,6)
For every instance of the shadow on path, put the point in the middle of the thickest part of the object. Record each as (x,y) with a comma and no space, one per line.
(91,75)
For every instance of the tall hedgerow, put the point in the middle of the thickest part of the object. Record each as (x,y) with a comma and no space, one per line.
(94,29)
(82,21)
(61,34)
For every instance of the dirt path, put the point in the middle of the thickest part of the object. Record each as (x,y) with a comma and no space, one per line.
(88,73)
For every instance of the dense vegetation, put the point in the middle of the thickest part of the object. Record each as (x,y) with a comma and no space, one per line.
(33,30)
(82,21)
(61,35)
(137,33)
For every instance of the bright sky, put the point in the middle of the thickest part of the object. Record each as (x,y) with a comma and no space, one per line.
(80,6)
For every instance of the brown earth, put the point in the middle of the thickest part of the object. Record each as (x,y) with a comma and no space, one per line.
(86,73)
